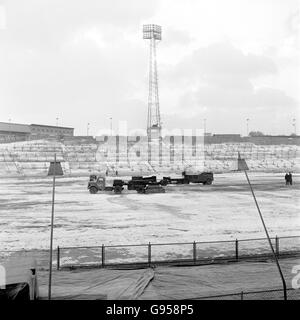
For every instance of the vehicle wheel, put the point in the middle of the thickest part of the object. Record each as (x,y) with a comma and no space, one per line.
(93,190)
(118,190)
(208,182)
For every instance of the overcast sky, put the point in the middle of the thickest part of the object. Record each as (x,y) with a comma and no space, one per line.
(85,61)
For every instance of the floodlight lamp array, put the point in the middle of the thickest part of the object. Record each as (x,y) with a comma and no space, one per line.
(151,31)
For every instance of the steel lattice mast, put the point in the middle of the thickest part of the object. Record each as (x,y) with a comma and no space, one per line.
(152,32)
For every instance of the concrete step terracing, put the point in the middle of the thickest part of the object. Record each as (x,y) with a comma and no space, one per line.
(33,157)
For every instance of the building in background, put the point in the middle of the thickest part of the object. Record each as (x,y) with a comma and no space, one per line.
(52,131)
(13,132)
(7,129)
(20,132)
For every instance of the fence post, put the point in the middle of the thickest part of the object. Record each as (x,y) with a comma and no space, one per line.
(58,258)
(242,295)
(149,254)
(103,255)
(277,245)
(194,252)
(236,250)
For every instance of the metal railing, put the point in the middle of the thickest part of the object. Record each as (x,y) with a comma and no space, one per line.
(185,252)
(151,254)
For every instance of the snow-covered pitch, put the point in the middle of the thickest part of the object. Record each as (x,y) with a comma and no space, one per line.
(223,211)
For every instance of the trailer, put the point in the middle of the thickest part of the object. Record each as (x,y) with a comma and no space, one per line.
(205,178)
(139,182)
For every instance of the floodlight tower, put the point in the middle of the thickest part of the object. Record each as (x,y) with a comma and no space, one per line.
(152,32)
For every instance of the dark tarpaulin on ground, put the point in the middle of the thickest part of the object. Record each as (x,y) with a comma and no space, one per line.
(96,284)
(194,282)
(17,291)
(19,280)
(161,283)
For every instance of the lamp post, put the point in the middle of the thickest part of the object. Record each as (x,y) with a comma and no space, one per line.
(294,125)
(247,120)
(204,126)
(54,170)
(87,129)
(111,133)
(242,166)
